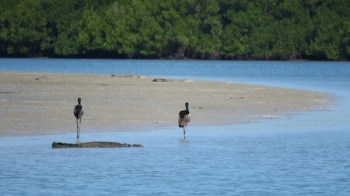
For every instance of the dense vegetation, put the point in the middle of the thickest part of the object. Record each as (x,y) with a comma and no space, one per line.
(209,29)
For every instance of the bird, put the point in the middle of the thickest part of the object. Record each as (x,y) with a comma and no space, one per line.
(78,113)
(184,119)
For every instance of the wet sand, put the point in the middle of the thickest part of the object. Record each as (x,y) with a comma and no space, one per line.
(40,103)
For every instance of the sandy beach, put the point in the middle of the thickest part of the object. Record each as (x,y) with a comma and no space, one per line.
(42,103)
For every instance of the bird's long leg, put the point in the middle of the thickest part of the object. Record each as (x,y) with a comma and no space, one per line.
(184,132)
(79,125)
(77,129)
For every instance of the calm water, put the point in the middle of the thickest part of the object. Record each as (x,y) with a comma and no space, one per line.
(308,154)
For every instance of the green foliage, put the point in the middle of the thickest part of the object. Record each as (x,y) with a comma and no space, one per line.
(218,29)
(23,29)
(331,31)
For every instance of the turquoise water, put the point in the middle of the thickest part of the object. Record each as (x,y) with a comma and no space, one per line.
(308,154)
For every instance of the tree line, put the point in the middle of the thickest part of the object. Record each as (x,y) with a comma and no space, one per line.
(199,29)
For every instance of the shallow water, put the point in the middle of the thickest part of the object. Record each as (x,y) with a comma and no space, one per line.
(308,154)
(214,160)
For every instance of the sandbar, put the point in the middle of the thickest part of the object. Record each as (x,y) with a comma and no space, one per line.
(42,103)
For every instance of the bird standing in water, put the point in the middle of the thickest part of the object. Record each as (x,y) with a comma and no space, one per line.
(184,118)
(78,113)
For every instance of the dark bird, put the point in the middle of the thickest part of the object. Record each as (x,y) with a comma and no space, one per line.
(184,118)
(78,113)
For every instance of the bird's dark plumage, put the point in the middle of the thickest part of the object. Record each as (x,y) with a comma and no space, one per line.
(184,117)
(183,113)
(78,110)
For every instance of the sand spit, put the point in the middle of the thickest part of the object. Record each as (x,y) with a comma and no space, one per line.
(42,103)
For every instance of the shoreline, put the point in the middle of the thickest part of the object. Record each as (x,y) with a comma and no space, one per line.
(42,103)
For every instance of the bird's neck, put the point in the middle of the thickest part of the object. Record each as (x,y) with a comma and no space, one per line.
(187,108)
